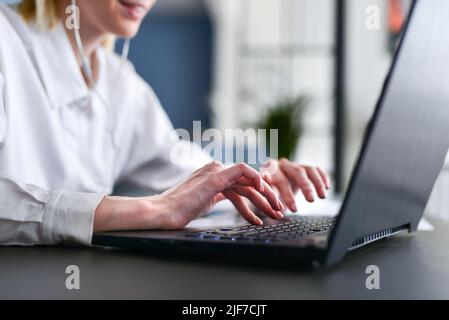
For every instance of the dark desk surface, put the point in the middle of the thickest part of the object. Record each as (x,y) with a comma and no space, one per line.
(411,267)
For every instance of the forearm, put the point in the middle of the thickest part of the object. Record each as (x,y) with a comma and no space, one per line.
(122,213)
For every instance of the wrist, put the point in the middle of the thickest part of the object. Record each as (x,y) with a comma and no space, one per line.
(120,213)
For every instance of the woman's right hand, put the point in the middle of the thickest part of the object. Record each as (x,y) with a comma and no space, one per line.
(178,206)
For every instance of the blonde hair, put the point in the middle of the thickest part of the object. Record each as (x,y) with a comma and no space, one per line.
(44,14)
(41,12)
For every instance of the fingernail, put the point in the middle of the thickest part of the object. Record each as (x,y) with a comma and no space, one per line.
(310,197)
(293,207)
(279,215)
(323,193)
(259,222)
(281,205)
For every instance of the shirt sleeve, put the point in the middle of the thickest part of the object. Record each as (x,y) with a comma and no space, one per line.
(3,127)
(158,160)
(30,215)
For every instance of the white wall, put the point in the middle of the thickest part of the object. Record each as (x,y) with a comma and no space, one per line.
(368,61)
(271,49)
(226,19)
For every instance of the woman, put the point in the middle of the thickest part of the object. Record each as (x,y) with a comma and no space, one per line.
(75,121)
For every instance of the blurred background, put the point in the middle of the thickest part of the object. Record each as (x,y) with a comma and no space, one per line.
(243,63)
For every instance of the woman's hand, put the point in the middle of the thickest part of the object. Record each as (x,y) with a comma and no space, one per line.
(180,205)
(288,178)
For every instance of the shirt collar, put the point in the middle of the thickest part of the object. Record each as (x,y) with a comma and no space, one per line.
(58,66)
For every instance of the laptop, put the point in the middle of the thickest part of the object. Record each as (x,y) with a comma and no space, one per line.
(403,153)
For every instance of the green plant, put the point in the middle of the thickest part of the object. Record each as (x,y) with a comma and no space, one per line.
(286,116)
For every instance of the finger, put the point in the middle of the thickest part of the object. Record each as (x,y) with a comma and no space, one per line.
(243,208)
(300,178)
(319,184)
(272,198)
(268,193)
(270,168)
(268,178)
(325,178)
(244,182)
(259,201)
(219,197)
(287,195)
(238,171)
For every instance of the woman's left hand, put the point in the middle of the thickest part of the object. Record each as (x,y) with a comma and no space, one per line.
(288,178)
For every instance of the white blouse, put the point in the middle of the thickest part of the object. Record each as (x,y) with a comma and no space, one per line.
(64,147)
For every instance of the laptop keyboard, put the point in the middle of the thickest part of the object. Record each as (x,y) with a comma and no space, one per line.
(274,231)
